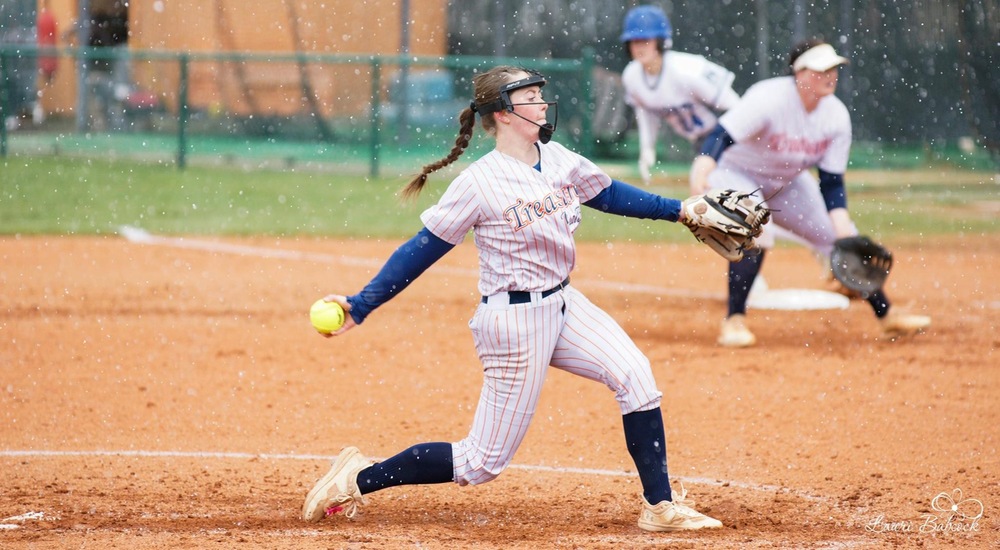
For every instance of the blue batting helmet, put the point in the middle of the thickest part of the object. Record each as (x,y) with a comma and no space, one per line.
(645,22)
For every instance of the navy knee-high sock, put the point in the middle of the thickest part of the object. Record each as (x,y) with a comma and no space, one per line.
(421,464)
(880,303)
(741,277)
(648,447)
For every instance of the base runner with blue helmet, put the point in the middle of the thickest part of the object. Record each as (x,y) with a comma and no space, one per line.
(683,89)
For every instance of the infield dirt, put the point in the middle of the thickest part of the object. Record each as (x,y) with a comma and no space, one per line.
(160,396)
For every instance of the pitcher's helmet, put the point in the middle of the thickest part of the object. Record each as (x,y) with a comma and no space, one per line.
(645,22)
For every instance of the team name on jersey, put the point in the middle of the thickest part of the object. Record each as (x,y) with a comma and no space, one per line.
(786,144)
(523,212)
(684,116)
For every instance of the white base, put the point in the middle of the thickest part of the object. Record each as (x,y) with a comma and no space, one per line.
(797,299)
(793,299)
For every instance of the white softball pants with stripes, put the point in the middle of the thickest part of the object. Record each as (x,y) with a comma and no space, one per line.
(516,345)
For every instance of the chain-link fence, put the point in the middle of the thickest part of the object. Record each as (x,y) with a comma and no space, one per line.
(924,73)
(262,108)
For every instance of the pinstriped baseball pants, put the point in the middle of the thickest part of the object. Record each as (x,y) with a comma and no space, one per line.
(516,345)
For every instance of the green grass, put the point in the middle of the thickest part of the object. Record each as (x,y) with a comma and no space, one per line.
(71,196)
(54,195)
(926,202)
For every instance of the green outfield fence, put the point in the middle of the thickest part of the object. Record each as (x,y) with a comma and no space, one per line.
(263,108)
(340,113)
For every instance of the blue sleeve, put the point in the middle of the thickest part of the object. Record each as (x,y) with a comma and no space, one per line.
(626,200)
(717,141)
(832,188)
(402,268)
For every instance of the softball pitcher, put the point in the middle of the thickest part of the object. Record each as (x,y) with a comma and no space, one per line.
(661,84)
(780,129)
(522,202)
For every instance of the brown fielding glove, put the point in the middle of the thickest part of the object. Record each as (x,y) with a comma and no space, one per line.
(860,264)
(727,221)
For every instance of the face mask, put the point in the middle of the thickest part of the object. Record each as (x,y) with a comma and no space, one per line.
(504,104)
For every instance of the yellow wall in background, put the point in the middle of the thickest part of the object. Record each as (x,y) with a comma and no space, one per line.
(323,27)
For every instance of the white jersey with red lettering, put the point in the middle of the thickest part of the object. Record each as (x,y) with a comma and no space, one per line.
(776,138)
(776,144)
(687,93)
(523,220)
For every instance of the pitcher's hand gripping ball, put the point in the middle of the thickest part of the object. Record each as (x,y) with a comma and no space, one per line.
(327,317)
(860,264)
(727,221)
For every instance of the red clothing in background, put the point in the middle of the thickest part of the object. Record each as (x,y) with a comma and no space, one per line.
(47,37)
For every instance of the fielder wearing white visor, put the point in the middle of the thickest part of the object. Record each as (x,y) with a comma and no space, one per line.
(819,58)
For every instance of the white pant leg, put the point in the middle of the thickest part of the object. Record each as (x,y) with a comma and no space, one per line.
(801,210)
(594,346)
(515,345)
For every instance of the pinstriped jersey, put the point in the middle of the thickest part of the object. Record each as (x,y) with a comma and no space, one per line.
(522,219)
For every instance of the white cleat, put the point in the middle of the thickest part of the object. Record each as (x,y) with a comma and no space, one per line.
(338,490)
(903,324)
(735,333)
(673,516)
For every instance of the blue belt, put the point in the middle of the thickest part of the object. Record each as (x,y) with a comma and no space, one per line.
(524,297)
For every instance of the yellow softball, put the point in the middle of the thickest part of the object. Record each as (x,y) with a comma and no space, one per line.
(327,317)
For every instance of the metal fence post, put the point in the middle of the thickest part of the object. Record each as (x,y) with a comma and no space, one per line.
(3,102)
(82,57)
(376,108)
(182,112)
(586,122)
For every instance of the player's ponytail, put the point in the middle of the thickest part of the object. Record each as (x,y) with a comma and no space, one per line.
(486,90)
(468,121)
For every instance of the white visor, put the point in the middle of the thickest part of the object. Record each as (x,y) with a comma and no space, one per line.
(819,58)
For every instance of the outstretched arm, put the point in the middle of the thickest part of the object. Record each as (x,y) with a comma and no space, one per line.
(626,200)
(407,263)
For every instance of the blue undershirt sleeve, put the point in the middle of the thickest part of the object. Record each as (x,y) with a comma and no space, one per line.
(627,200)
(717,141)
(410,260)
(832,188)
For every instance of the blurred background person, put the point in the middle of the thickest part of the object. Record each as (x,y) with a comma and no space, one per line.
(767,144)
(47,33)
(108,76)
(683,89)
